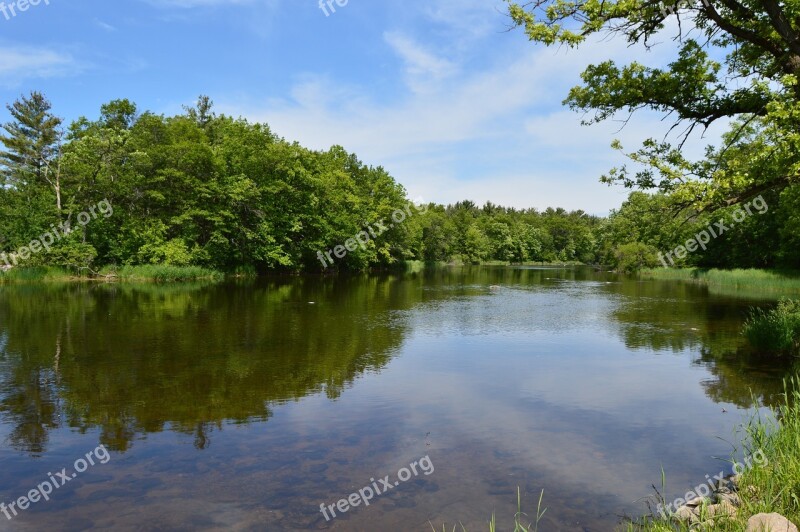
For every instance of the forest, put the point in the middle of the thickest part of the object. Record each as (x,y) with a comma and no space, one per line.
(206,190)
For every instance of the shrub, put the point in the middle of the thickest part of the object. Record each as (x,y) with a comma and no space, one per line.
(630,258)
(775,331)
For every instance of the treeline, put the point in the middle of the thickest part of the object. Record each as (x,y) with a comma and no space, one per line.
(648,229)
(201,189)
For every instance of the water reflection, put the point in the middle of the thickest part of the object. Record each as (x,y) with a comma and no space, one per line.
(681,317)
(137,360)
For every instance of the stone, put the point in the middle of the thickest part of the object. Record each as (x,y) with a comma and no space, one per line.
(684,513)
(731,498)
(723,508)
(770,523)
(697,501)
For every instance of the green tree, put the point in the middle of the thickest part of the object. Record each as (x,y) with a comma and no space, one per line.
(631,258)
(476,246)
(760,43)
(32,147)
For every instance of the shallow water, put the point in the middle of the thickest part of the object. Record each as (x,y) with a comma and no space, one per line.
(244,406)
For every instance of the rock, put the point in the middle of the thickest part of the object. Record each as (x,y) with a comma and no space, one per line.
(684,513)
(731,498)
(770,523)
(697,501)
(725,488)
(723,508)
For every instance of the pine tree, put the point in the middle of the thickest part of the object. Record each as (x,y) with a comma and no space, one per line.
(32,156)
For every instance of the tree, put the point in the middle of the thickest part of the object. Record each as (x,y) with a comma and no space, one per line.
(32,153)
(756,85)
(630,258)
(201,112)
(476,246)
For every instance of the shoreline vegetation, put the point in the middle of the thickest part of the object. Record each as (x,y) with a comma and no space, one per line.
(740,282)
(129,274)
(736,281)
(179,274)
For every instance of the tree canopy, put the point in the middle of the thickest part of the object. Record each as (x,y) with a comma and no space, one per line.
(736,60)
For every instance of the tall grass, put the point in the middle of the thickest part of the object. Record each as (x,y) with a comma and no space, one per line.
(160,273)
(39,274)
(775,331)
(773,486)
(244,272)
(762,282)
(521,522)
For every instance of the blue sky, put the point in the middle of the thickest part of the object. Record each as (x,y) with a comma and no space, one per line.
(438,92)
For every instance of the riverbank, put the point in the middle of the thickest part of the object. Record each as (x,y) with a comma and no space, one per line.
(178,274)
(768,485)
(131,274)
(750,282)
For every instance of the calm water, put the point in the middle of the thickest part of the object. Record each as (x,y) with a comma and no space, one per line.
(245,406)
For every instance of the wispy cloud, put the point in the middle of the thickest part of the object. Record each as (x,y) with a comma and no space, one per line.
(104,25)
(423,68)
(469,18)
(20,63)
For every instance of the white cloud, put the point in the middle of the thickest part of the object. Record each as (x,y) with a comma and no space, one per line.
(423,68)
(104,25)
(19,63)
(468,18)
(470,130)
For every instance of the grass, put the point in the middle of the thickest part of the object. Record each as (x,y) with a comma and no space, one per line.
(775,331)
(160,273)
(39,274)
(519,523)
(773,486)
(758,282)
(244,272)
